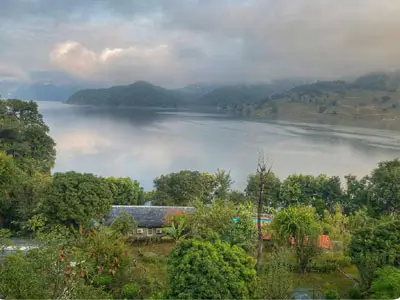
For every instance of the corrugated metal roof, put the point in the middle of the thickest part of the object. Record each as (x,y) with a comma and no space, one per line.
(148,216)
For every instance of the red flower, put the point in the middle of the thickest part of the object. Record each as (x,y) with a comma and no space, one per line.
(91,251)
(123,253)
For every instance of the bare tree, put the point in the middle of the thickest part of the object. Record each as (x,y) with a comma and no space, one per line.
(263,173)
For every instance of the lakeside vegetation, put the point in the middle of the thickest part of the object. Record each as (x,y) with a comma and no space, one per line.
(372,100)
(206,254)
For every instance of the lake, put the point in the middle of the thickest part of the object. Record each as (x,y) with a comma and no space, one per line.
(144,143)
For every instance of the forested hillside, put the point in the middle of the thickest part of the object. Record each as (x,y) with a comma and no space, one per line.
(137,94)
(372,100)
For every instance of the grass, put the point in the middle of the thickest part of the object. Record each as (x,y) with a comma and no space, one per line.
(324,282)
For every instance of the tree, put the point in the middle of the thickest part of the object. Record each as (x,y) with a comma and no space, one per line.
(24,135)
(225,221)
(320,191)
(19,194)
(177,226)
(125,191)
(356,195)
(199,269)
(237,197)
(386,284)
(223,183)
(75,199)
(337,226)
(300,225)
(271,189)
(124,224)
(385,187)
(183,188)
(374,246)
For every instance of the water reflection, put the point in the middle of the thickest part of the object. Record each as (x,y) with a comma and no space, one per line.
(144,144)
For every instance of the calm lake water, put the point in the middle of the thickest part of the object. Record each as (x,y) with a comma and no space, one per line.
(144,144)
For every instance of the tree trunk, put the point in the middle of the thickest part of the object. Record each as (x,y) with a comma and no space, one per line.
(259,211)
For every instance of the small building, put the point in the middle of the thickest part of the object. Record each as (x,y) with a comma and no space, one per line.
(150,219)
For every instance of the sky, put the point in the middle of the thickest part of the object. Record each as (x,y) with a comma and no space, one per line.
(178,42)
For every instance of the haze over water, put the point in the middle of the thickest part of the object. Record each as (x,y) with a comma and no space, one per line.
(143,144)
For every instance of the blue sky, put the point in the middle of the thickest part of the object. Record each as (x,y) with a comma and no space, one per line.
(176,42)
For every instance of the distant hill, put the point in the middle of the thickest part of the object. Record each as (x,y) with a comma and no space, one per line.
(370,100)
(140,93)
(238,94)
(45,92)
(145,94)
(37,91)
(193,92)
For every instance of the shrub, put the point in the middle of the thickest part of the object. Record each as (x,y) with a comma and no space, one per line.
(332,294)
(103,280)
(130,290)
(355,293)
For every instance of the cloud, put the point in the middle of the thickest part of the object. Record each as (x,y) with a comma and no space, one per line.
(133,63)
(222,41)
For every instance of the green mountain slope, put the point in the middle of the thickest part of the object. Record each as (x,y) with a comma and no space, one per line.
(371,100)
(139,93)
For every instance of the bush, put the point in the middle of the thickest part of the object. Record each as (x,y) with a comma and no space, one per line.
(332,294)
(275,280)
(130,290)
(355,293)
(103,280)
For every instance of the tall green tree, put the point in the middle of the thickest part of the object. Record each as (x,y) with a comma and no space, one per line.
(223,183)
(125,191)
(298,227)
(75,199)
(271,189)
(374,246)
(19,193)
(226,221)
(385,187)
(320,191)
(183,188)
(199,269)
(356,195)
(24,135)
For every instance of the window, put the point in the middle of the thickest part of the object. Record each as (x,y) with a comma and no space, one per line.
(150,231)
(159,231)
(139,231)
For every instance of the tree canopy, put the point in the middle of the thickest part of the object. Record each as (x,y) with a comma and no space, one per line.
(199,269)
(24,135)
(183,188)
(75,199)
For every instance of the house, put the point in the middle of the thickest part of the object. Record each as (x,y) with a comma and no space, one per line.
(150,218)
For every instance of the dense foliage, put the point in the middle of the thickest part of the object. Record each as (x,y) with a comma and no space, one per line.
(24,136)
(125,191)
(199,269)
(298,227)
(375,245)
(75,199)
(183,188)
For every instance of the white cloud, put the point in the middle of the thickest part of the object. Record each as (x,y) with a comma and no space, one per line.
(83,62)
